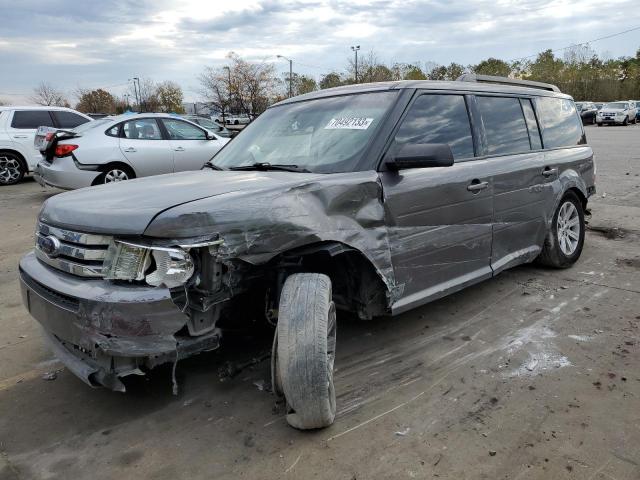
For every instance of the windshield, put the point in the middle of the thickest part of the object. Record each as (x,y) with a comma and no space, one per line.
(325,135)
(579,106)
(91,125)
(616,105)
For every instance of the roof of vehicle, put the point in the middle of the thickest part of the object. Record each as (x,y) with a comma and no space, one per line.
(427,85)
(37,107)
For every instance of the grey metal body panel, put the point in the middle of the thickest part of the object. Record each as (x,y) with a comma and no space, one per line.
(439,232)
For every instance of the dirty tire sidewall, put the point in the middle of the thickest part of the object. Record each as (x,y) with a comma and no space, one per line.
(306,349)
(552,255)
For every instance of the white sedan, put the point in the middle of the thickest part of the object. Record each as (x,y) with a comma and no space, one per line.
(120,148)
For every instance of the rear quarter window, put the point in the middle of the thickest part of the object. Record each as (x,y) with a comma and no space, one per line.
(69,119)
(31,119)
(561,124)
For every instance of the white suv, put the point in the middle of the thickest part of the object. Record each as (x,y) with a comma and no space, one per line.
(18,127)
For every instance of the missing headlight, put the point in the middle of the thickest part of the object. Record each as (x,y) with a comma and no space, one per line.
(173,268)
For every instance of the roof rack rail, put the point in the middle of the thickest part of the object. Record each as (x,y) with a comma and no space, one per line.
(473,77)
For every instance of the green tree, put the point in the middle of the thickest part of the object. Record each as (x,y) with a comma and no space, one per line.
(493,66)
(170,97)
(331,80)
(95,101)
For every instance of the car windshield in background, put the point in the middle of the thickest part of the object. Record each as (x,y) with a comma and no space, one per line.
(91,125)
(579,106)
(326,135)
(616,105)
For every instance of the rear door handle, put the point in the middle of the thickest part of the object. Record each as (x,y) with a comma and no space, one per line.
(130,150)
(548,172)
(476,185)
(179,149)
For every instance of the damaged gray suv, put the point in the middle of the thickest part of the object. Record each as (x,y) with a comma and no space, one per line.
(372,199)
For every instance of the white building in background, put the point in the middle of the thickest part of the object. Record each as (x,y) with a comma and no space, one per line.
(199,108)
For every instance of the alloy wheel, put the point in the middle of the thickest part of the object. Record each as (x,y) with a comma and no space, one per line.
(10,169)
(568,227)
(115,175)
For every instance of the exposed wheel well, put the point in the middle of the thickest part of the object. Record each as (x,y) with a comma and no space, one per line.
(357,286)
(20,157)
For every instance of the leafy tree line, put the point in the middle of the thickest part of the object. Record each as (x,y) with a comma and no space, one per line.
(242,86)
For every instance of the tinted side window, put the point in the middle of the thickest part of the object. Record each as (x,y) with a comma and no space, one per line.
(438,119)
(505,129)
(142,129)
(532,124)
(561,125)
(69,119)
(31,119)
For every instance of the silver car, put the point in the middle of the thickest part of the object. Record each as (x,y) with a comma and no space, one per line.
(121,148)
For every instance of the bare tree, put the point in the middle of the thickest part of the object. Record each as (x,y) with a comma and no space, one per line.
(215,86)
(45,94)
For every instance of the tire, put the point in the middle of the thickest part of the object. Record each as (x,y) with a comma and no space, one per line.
(626,121)
(562,249)
(115,173)
(12,168)
(304,351)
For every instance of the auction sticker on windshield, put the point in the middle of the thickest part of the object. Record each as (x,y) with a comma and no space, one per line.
(349,123)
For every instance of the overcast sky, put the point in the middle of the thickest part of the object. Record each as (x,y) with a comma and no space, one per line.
(91,43)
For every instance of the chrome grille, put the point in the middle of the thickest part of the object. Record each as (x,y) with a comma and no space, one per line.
(76,253)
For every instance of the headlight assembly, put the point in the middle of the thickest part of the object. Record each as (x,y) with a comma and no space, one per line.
(158,266)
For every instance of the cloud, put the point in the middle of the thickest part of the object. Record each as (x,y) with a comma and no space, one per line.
(71,43)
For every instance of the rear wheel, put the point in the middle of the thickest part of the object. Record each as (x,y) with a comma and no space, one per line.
(565,240)
(304,350)
(12,168)
(116,173)
(626,121)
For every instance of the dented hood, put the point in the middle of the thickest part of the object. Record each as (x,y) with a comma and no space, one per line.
(127,208)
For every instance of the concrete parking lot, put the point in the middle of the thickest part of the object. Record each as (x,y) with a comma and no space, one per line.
(532,375)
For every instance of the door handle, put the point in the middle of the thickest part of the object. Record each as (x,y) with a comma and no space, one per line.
(548,172)
(20,136)
(130,150)
(476,185)
(179,149)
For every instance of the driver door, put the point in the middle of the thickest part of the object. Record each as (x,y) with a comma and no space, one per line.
(190,145)
(439,219)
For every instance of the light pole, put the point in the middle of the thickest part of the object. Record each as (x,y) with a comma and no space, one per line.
(224,122)
(135,91)
(355,49)
(126,99)
(290,74)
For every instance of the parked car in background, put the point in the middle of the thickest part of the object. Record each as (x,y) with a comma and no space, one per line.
(210,125)
(18,126)
(588,112)
(124,147)
(637,109)
(373,199)
(617,113)
(242,119)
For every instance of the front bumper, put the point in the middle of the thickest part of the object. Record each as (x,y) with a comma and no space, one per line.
(610,121)
(63,173)
(103,331)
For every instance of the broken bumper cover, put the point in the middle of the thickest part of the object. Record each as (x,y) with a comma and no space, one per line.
(102,331)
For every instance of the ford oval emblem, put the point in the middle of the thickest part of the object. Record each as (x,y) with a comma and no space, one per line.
(49,245)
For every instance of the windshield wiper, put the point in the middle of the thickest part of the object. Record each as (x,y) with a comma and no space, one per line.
(212,166)
(265,166)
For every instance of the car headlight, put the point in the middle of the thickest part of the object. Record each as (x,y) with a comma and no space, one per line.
(158,266)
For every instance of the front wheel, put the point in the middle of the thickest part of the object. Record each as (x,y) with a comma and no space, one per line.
(304,351)
(564,242)
(11,169)
(626,121)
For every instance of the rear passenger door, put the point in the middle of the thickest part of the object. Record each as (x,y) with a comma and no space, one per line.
(439,219)
(522,181)
(22,130)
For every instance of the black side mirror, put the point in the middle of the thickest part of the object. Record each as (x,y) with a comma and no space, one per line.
(422,155)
